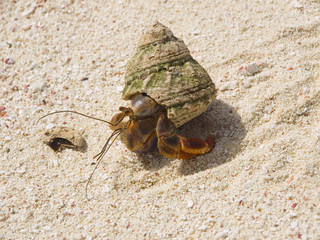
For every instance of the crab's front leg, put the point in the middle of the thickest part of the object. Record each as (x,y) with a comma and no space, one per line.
(117,121)
(172,145)
(139,135)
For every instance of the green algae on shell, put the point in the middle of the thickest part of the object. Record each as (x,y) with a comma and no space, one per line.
(163,68)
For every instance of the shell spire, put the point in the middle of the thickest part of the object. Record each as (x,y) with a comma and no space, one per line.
(157,32)
(163,68)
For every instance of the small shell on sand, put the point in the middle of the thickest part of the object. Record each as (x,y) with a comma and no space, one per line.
(63,137)
(252,68)
(10,61)
(247,84)
(38,85)
(229,86)
(296,4)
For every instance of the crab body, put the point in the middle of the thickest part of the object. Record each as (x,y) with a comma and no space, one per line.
(167,88)
(149,128)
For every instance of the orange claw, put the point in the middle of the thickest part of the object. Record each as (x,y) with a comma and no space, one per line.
(174,146)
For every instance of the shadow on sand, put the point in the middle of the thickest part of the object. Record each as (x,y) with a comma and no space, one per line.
(224,123)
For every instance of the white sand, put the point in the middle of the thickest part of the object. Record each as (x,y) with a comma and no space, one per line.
(261,181)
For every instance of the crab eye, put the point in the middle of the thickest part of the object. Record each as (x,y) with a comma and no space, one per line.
(144,106)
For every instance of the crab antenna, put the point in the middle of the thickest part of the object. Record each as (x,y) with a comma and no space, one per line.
(104,150)
(70,111)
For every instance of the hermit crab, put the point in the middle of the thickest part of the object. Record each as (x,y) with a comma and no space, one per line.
(167,88)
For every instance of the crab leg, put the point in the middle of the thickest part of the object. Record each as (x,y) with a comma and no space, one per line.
(175,146)
(117,119)
(141,136)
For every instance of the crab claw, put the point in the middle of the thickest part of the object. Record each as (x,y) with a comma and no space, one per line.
(175,146)
(117,121)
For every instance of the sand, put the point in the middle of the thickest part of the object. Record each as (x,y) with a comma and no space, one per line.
(262,179)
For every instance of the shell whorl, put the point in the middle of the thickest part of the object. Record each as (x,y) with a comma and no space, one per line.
(163,68)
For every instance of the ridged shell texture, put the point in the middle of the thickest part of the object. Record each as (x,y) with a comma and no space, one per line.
(163,68)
